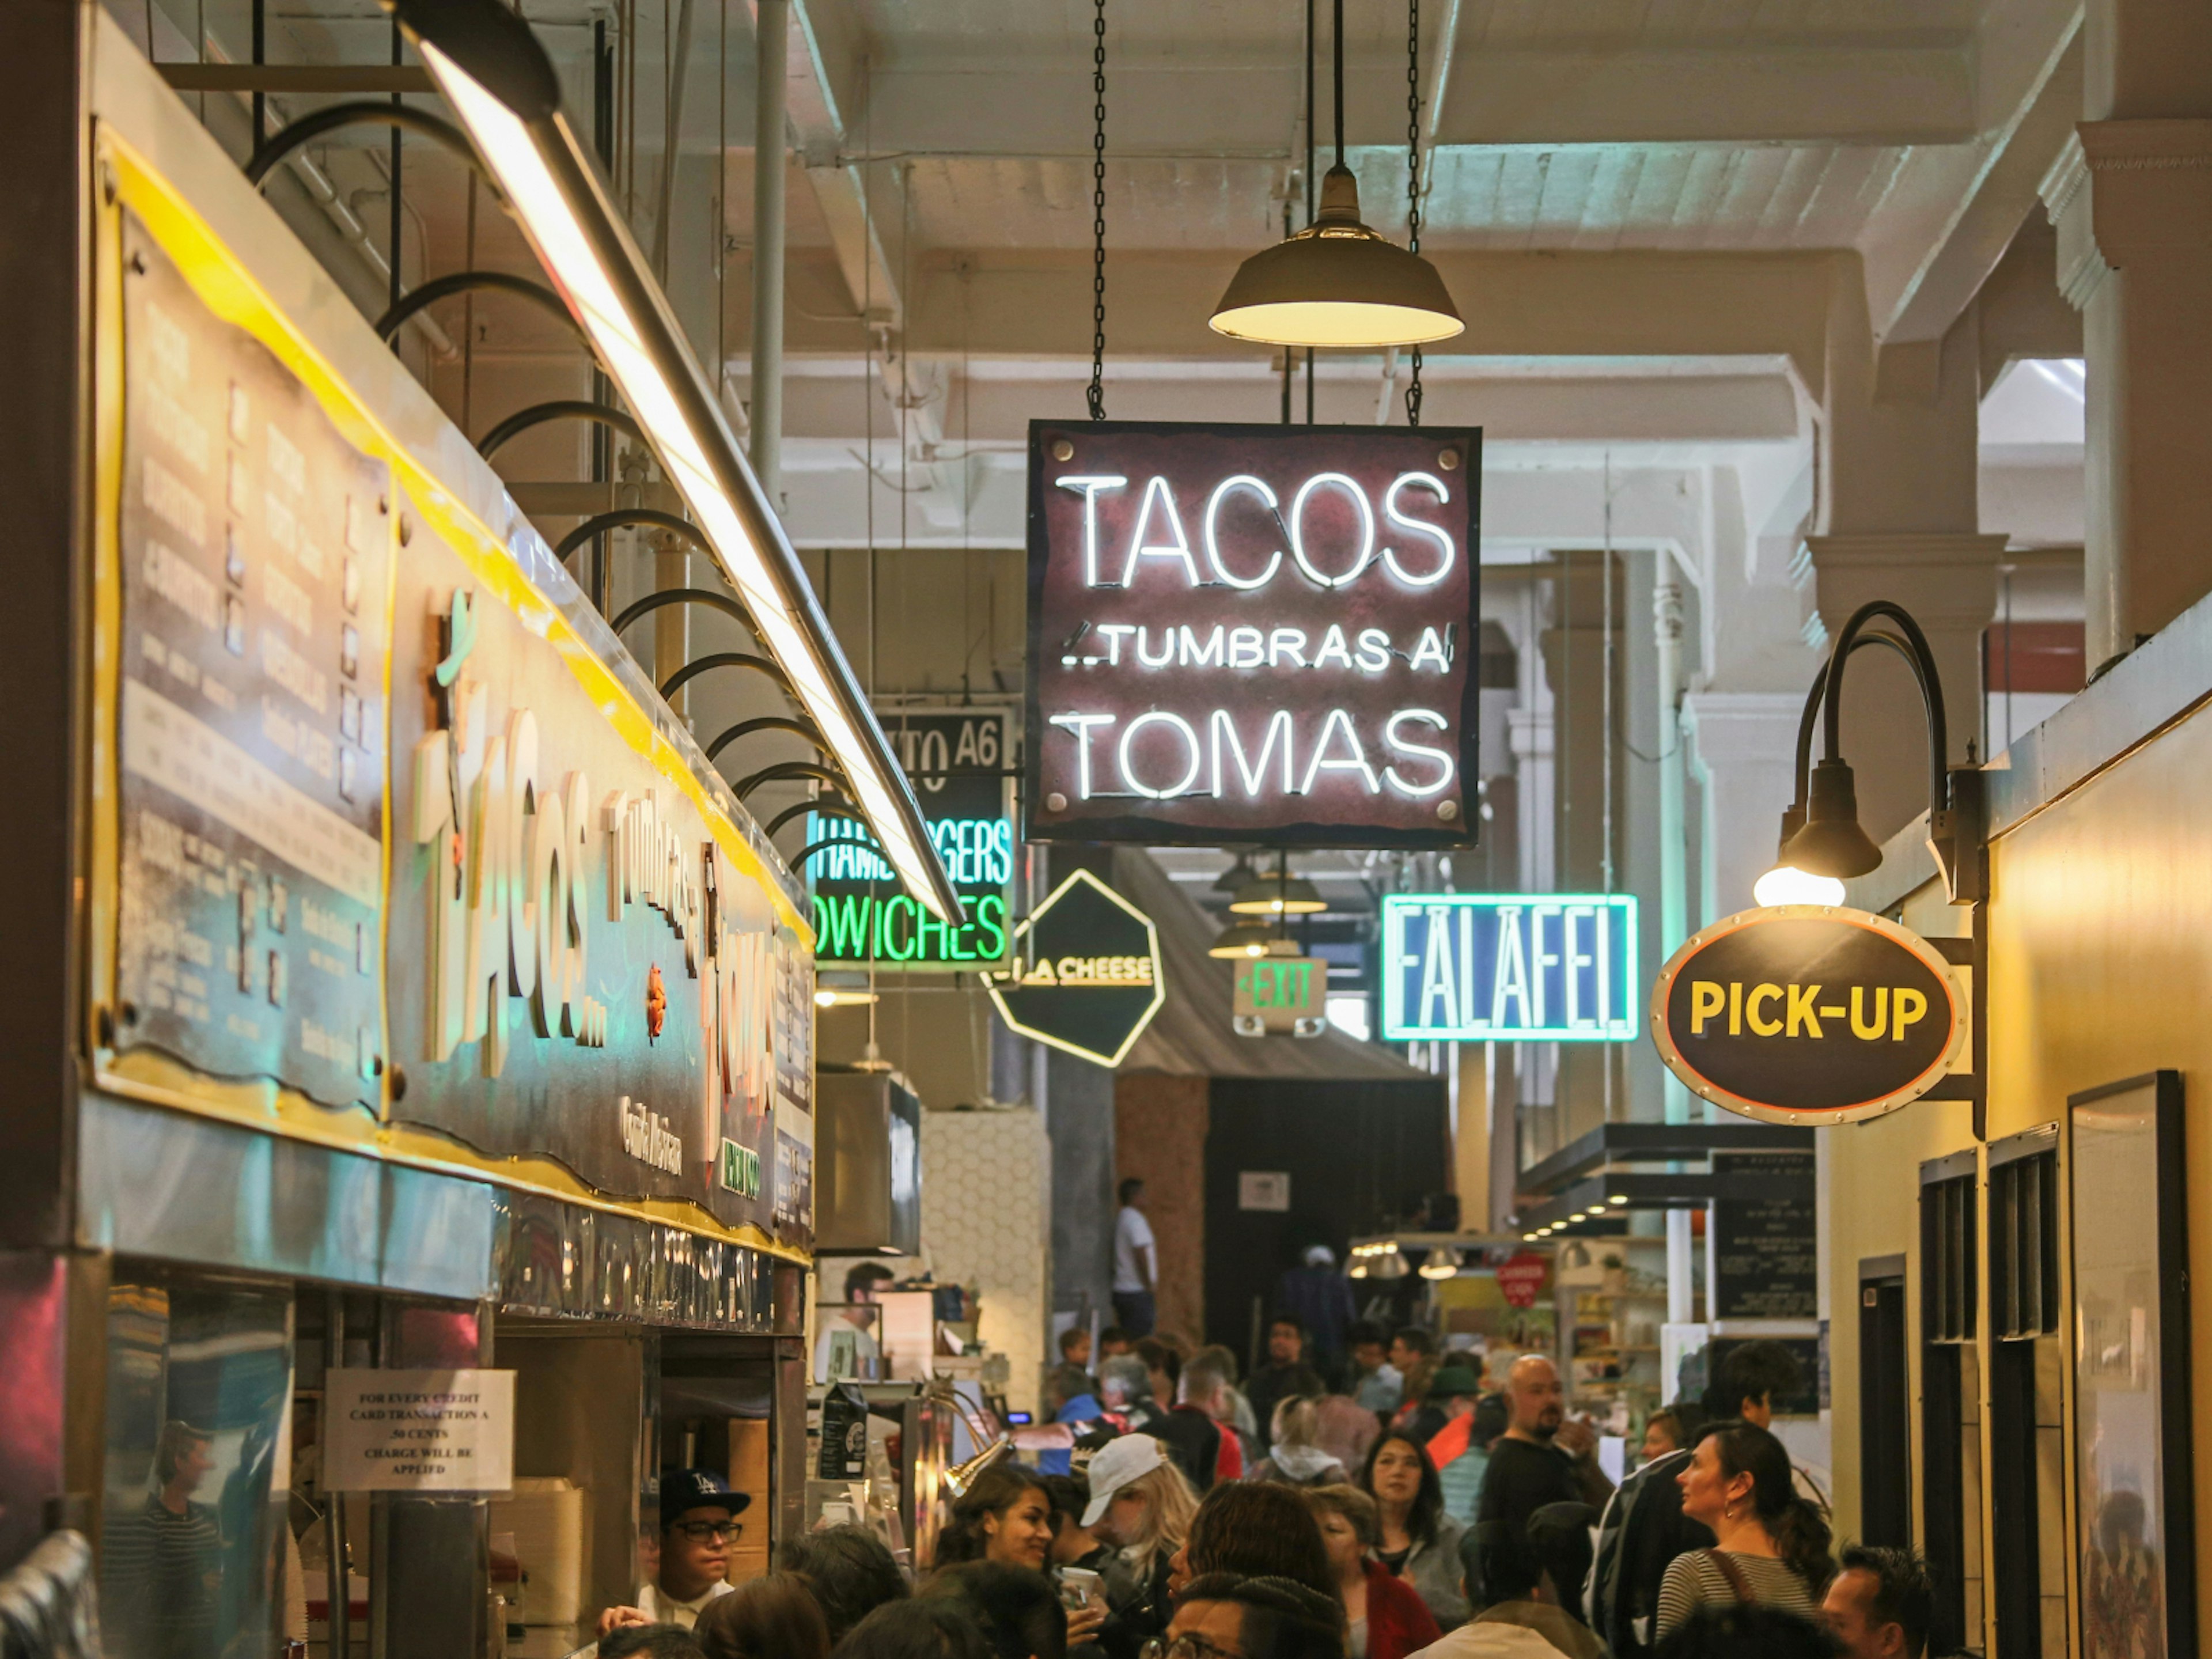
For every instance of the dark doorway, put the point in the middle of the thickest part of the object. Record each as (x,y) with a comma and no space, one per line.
(1358,1155)
(1885,1428)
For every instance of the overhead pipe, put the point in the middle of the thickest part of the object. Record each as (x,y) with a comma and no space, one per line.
(772,34)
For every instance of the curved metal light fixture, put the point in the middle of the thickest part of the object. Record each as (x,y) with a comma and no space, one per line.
(1823,844)
(499,81)
(1336,284)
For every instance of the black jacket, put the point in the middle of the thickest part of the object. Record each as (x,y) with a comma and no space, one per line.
(1644,1530)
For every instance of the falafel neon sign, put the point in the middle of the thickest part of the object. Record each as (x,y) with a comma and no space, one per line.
(1261,631)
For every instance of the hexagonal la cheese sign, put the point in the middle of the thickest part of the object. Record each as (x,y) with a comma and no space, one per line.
(1086,975)
(1807,1014)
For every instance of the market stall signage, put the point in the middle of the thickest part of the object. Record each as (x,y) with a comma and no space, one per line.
(1765,1252)
(1085,976)
(1520,1279)
(419,1431)
(383,816)
(956,760)
(1806,1013)
(1252,633)
(1274,995)
(1510,967)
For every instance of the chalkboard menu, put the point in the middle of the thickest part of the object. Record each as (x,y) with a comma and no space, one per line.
(1764,1251)
(254,547)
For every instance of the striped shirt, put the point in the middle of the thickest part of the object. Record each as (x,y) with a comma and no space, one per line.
(1694,1579)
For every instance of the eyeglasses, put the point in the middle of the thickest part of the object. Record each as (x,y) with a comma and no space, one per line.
(699,1531)
(1186,1647)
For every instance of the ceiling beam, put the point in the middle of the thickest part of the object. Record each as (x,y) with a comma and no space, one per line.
(1951,212)
(1019,304)
(1007,103)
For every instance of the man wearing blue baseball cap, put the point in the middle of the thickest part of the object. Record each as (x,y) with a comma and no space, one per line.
(698,1523)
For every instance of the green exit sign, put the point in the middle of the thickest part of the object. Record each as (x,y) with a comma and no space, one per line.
(1276,993)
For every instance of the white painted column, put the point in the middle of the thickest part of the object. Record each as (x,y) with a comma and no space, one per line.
(1899,518)
(1674,893)
(2130,199)
(1742,747)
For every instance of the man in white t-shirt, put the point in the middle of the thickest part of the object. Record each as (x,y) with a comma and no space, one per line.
(1136,1263)
(698,1524)
(854,1326)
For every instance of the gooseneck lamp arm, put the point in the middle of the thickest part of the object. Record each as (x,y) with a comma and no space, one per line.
(1931,693)
(1814,699)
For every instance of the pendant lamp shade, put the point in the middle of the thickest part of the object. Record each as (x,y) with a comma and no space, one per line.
(1338,284)
(1278,895)
(1247,939)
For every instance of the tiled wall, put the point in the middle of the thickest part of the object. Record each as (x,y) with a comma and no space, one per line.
(984,1198)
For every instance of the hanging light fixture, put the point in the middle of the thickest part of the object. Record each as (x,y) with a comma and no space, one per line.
(1442,1263)
(1280,895)
(1337,283)
(1236,876)
(491,69)
(1246,939)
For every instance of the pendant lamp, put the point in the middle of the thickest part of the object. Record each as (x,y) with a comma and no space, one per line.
(1245,939)
(1336,284)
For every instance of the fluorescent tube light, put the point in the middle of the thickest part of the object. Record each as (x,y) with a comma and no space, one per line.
(471,46)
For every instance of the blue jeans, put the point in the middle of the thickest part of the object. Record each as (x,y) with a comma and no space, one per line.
(1133,1311)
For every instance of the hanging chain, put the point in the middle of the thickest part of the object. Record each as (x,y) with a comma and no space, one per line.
(1096,394)
(1414,178)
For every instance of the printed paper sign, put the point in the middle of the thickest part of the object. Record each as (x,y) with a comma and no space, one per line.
(419,1431)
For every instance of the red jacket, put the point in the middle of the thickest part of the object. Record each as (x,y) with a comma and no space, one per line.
(1398,1622)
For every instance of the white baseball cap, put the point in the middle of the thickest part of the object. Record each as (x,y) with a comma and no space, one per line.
(1117,1463)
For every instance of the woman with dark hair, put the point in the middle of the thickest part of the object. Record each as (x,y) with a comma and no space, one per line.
(942,1628)
(849,1570)
(1019,1610)
(774,1616)
(1418,1541)
(1384,1618)
(1006,1516)
(1772,1544)
(1258,1528)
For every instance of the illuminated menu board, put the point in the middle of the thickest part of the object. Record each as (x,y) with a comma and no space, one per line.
(381,818)
(255,557)
(957,760)
(1252,633)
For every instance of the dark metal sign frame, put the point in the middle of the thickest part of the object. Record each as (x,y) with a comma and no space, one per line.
(1276,662)
(1773,1010)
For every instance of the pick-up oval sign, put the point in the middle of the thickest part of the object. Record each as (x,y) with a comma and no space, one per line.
(1806,1013)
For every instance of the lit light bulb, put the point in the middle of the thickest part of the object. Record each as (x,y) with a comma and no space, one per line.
(1787,885)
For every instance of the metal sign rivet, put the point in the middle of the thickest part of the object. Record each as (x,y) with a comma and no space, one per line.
(1056,802)
(1063,450)
(1448,458)
(1447,810)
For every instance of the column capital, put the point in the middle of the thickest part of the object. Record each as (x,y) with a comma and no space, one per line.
(2124,191)
(1945,580)
(1751,727)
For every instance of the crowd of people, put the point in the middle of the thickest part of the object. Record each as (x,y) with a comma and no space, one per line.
(1412,1513)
